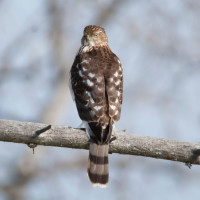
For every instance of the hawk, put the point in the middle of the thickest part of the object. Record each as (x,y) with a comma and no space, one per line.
(96,84)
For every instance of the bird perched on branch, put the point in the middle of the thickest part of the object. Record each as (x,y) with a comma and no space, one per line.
(96,84)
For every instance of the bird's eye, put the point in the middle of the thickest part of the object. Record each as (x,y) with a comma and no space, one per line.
(96,35)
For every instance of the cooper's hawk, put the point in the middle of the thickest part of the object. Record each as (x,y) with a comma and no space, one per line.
(96,83)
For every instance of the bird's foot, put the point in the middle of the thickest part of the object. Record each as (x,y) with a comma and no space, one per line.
(113,138)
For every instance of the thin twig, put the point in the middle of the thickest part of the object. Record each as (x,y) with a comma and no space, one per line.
(38,132)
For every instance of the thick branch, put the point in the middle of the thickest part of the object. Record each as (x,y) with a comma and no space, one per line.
(62,136)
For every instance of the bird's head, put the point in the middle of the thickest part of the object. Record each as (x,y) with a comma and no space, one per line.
(94,36)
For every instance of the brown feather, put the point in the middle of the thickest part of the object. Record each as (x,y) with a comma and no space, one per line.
(97,84)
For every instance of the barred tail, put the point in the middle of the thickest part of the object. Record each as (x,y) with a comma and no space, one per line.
(98,169)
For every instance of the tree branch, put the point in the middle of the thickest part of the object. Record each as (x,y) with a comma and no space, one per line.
(62,136)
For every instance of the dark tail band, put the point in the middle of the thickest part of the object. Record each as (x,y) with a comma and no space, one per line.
(98,169)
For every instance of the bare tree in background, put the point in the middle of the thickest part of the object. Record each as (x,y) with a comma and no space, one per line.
(56,107)
(156,35)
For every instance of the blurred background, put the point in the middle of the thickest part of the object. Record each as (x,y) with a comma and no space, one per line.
(158,43)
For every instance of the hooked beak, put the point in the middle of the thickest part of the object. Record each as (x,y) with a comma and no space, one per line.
(87,37)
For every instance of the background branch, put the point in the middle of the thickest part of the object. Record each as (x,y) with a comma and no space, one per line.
(62,136)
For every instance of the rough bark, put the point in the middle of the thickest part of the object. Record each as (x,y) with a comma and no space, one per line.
(132,144)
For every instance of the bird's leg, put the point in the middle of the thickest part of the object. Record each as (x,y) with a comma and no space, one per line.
(113,136)
(113,139)
(82,127)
